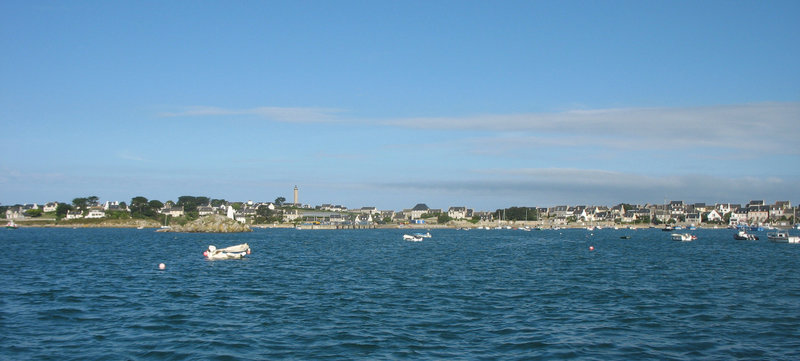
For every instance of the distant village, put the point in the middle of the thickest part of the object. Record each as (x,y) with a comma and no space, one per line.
(756,212)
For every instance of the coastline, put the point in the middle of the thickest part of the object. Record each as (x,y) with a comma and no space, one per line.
(544,225)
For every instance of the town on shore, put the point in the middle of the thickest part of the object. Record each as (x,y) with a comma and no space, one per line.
(141,212)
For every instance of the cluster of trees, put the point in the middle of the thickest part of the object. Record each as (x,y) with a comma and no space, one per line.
(517,214)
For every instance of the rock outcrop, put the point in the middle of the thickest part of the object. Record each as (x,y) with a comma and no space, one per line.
(210,224)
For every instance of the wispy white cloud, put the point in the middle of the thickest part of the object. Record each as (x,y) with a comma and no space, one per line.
(761,126)
(281,114)
(126,155)
(551,186)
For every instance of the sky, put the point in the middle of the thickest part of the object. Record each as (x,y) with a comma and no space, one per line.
(483,104)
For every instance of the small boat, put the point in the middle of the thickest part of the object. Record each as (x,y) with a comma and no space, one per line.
(742,235)
(423,235)
(233,252)
(782,237)
(11,225)
(625,237)
(412,238)
(667,229)
(683,237)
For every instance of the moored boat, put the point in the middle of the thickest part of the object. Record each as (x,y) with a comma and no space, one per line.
(233,252)
(11,225)
(683,237)
(412,238)
(782,237)
(742,235)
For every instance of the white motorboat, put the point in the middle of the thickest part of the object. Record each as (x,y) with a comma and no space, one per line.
(683,237)
(782,237)
(742,235)
(233,252)
(423,235)
(412,238)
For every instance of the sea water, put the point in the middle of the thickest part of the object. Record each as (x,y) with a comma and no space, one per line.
(76,294)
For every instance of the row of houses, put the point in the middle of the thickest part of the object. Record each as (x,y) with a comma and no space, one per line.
(755,212)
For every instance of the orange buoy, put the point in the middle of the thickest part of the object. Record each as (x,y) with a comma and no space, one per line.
(591,248)
(162,266)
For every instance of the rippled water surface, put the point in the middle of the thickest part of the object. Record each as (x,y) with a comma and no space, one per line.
(367,294)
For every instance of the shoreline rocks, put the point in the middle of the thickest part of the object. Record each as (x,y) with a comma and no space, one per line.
(210,224)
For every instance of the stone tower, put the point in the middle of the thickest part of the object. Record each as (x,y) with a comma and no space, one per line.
(295,195)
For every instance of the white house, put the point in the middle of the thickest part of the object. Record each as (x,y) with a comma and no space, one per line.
(173,211)
(74,214)
(714,216)
(738,216)
(15,212)
(369,210)
(457,212)
(290,215)
(96,213)
(50,207)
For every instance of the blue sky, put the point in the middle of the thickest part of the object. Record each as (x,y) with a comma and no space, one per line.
(388,104)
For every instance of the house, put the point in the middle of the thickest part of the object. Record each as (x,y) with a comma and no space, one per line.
(173,211)
(15,212)
(96,213)
(694,218)
(630,216)
(50,207)
(387,214)
(205,210)
(725,208)
(74,215)
(757,214)
(715,216)
(333,208)
(364,219)
(580,213)
(457,212)
(699,207)
(290,215)
(337,218)
(417,211)
(484,216)
(560,211)
(677,209)
(618,211)
(738,216)
(369,210)
(662,215)
(108,205)
(244,214)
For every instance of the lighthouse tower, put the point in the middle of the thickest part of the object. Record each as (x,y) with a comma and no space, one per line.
(295,195)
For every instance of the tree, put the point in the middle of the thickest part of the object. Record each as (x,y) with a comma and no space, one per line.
(139,206)
(155,205)
(279,201)
(443,218)
(80,203)
(92,200)
(33,213)
(62,209)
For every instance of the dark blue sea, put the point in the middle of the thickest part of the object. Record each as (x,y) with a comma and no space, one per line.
(77,294)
